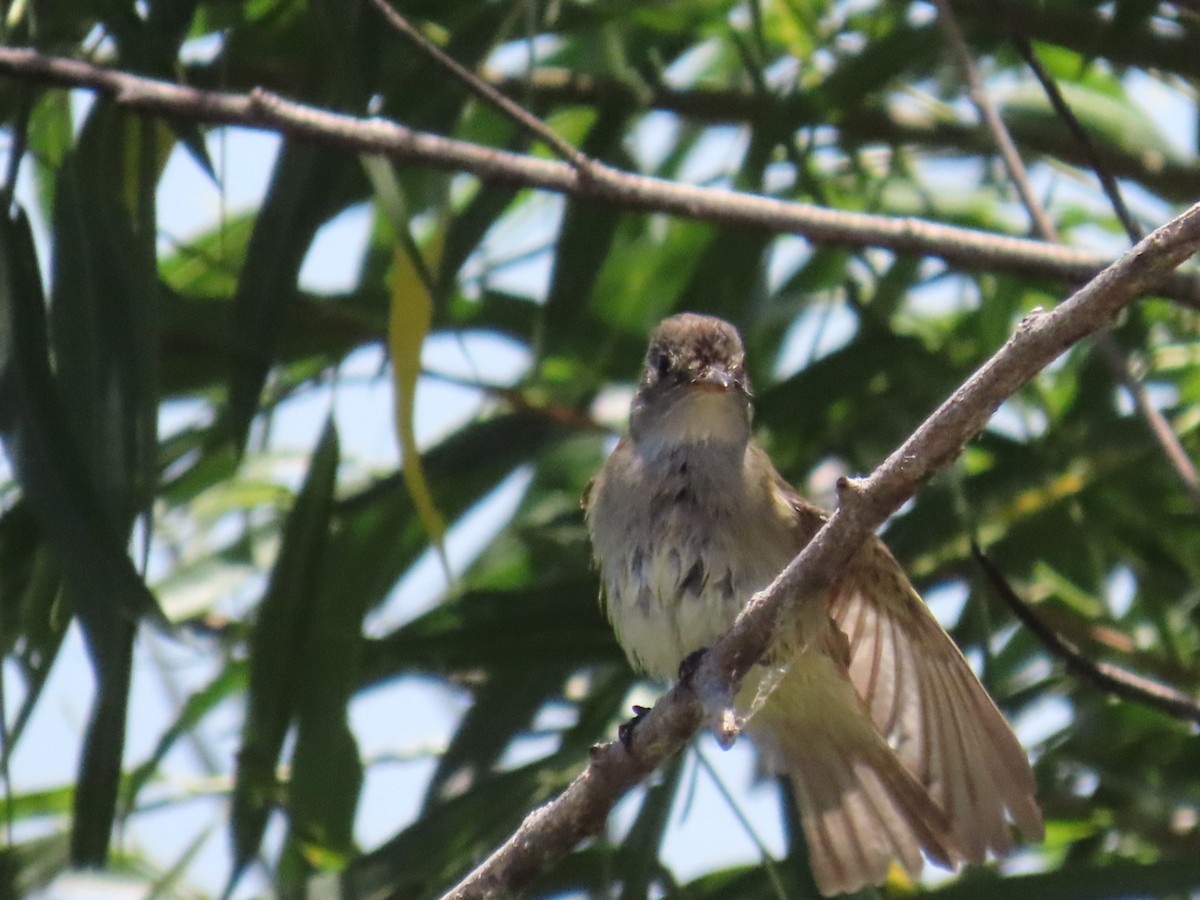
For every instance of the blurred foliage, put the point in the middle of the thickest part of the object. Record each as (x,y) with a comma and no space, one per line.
(140,384)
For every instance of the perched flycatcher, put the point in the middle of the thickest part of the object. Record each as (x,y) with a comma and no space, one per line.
(892,745)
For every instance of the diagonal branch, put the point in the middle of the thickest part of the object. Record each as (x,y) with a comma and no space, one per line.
(482,89)
(958,247)
(995,125)
(1110,351)
(1105,676)
(549,833)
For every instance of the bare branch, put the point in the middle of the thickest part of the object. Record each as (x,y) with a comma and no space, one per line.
(482,89)
(1160,429)
(994,124)
(262,110)
(550,832)
(1105,676)
(1079,134)
(1174,178)
(1112,353)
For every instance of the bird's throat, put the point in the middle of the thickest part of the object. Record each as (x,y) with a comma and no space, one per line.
(692,417)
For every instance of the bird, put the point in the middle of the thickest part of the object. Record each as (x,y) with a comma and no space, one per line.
(893,748)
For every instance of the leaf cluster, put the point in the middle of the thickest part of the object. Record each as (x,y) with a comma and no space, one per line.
(112,333)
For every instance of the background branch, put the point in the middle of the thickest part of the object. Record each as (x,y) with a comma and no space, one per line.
(482,89)
(994,124)
(1104,676)
(1110,350)
(260,109)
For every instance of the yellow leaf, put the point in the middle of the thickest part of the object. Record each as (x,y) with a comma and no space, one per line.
(410,318)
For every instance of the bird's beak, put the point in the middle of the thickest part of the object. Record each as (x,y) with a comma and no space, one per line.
(715,381)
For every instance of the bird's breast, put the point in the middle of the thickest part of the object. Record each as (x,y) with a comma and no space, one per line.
(683,539)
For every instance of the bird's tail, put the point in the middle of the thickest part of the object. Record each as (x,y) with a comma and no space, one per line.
(860,808)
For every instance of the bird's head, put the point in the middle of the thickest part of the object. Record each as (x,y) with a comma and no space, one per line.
(694,387)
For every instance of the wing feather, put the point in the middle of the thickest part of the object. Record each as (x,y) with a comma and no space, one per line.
(931,709)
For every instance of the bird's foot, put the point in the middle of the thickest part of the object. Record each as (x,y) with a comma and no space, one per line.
(625,730)
(690,665)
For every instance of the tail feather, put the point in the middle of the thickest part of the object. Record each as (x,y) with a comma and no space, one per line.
(860,808)
(861,811)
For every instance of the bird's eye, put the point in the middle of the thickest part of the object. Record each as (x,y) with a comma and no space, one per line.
(661,364)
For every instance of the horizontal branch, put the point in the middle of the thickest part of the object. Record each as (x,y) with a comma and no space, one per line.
(958,247)
(579,812)
(1174,178)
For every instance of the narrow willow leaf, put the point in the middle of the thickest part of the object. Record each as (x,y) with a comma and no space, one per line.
(410,316)
(229,680)
(584,241)
(41,636)
(559,624)
(408,325)
(308,185)
(500,710)
(326,768)
(164,886)
(107,592)
(103,307)
(427,857)
(276,657)
(99,778)
(103,343)
(26,868)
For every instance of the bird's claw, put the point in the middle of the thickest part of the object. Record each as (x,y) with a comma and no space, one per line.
(625,729)
(690,665)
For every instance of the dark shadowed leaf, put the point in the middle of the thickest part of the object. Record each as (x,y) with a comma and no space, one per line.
(280,636)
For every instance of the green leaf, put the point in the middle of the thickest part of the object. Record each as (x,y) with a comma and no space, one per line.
(429,855)
(277,644)
(559,624)
(103,308)
(584,241)
(637,860)
(1080,883)
(1112,123)
(107,593)
(28,867)
(232,678)
(499,708)
(326,770)
(308,186)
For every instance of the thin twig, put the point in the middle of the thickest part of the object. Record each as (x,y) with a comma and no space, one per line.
(1063,110)
(1108,678)
(995,126)
(1160,429)
(959,247)
(483,90)
(550,832)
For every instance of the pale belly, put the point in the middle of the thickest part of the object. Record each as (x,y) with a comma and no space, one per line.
(680,555)
(659,615)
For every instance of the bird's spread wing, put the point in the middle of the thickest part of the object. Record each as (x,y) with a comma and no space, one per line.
(930,707)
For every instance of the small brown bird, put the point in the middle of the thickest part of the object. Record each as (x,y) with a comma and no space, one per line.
(892,745)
